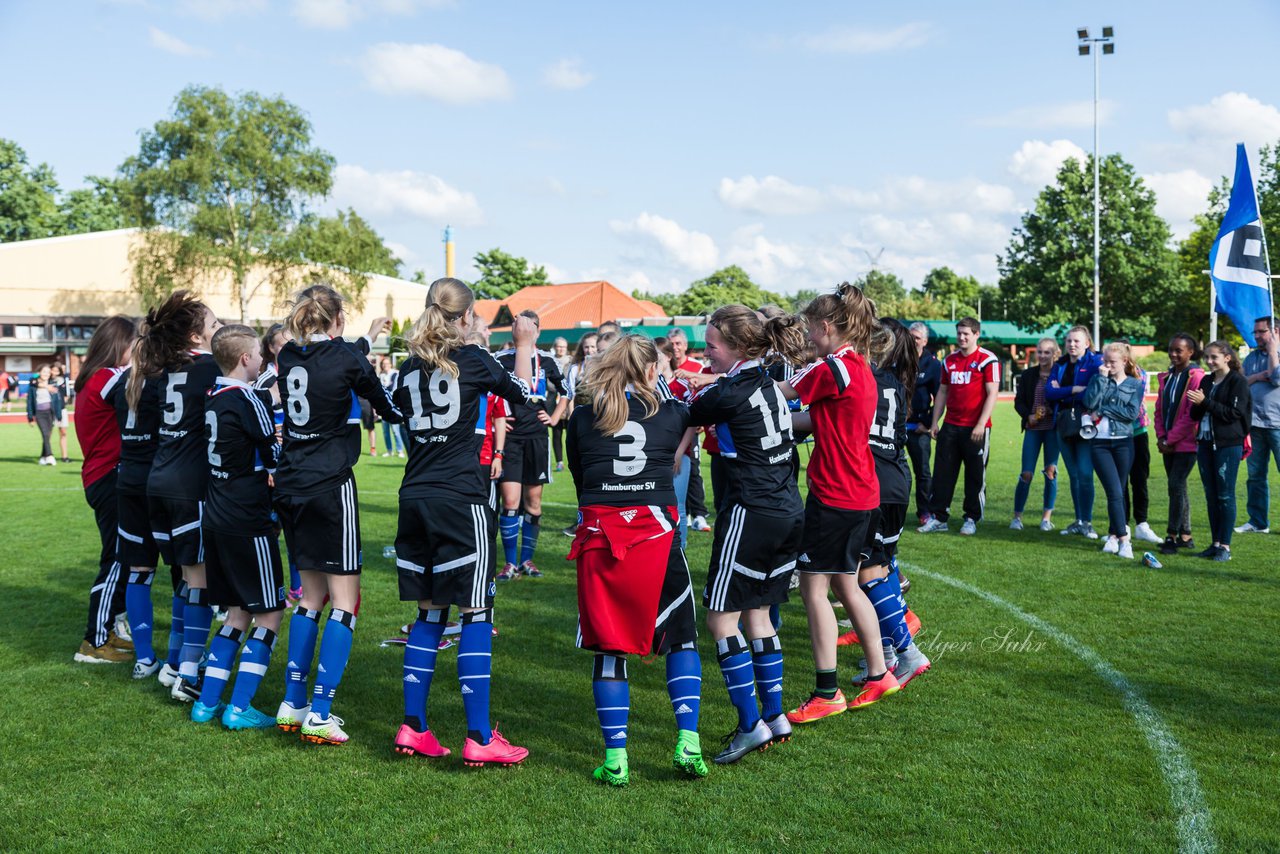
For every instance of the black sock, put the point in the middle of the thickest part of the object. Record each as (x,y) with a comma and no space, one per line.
(827,684)
(414,722)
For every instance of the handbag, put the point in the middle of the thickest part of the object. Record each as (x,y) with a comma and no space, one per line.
(1067,422)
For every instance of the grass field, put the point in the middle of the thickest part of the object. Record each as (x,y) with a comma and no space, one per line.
(1020,739)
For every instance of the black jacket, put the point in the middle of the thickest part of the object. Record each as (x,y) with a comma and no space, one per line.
(1024,398)
(1229,408)
(928,378)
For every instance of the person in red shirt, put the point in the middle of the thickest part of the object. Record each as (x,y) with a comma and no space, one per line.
(696,495)
(99,438)
(970,383)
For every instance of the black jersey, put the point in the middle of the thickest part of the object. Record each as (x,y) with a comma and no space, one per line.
(242,450)
(753,429)
(138,432)
(181,468)
(446,420)
(316,382)
(889,438)
(633,467)
(546,375)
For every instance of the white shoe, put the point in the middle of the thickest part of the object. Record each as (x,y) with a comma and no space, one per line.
(53,461)
(1143,532)
(969,528)
(1126,549)
(44,461)
(318,730)
(289,718)
(184,691)
(934,525)
(1246,528)
(168,675)
(1046,525)
(1111,546)
(400,454)
(1086,528)
(1015,525)
(1075,527)
(143,670)
(699,523)
(122,629)
(386,453)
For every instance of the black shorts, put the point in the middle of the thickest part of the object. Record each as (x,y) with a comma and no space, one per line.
(136,545)
(175,526)
(244,572)
(323,531)
(527,460)
(444,552)
(888,532)
(752,558)
(836,541)
(677,621)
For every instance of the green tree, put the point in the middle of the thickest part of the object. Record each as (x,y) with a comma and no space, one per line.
(345,242)
(1047,270)
(97,207)
(951,291)
(884,288)
(219,187)
(28,196)
(501,274)
(723,287)
(801,298)
(667,301)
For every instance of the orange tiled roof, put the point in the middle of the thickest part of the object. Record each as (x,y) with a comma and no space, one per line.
(566,306)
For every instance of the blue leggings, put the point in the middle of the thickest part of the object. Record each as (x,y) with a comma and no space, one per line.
(1079,462)
(1032,443)
(391,436)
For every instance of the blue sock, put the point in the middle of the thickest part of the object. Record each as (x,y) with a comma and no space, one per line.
(177,625)
(137,603)
(529,540)
(196,619)
(253,666)
(509,524)
(886,597)
(420,664)
(295,577)
(735,665)
(335,649)
(304,625)
(475,654)
(766,656)
(222,654)
(613,698)
(775,617)
(684,686)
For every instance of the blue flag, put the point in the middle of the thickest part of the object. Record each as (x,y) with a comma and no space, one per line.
(1238,260)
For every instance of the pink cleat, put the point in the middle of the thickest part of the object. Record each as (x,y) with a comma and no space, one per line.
(410,742)
(498,751)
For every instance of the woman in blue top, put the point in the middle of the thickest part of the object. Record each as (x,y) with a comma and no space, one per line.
(1113,398)
(1070,377)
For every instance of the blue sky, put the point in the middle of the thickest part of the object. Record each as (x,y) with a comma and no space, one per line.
(650,143)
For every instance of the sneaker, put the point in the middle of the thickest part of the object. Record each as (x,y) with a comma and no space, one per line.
(933,526)
(386,453)
(699,523)
(847,639)
(528,570)
(168,675)
(122,630)
(913,621)
(1169,546)
(911,663)
(118,642)
(1016,524)
(105,654)
(816,708)
(614,771)
(1222,556)
(289,718)
(874,691)
(1207,553)
(1143,532)
(738,744)
(559,466)
(52,461)
(969,528)
(1111,546)
(688,753)
(44,461)
(318,730)
(781,728)
(145,669)
(202,714)
(1086,528)
(1246,528)
(410,742)
(1075,527)
(498,751)
(571,531)
(1126,549)
(246,718)
(1046,525)
(184,691)
(890,662)
(508,572)
(1188,543)
(400,454)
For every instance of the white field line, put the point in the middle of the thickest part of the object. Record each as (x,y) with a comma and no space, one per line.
(1195,830)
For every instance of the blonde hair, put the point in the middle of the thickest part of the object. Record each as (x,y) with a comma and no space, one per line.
(1083,330)
(850,311)
(436,334)
(230,343)
(625,363)
(314,311)
(1130,366)
(744,331)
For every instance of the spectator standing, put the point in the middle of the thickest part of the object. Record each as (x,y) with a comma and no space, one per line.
(1137,499)
(1221,405)
(1113,398)
(1038,436)
(1176,435)
(58,376)
(44,409)
(392,443)
(920,419)
(1065,391)
(560,351)
(1262,371)
(696,497)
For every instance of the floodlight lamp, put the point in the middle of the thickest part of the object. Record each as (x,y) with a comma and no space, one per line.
(1108,48)
(1108,32)
(1084,50)
(1082,33)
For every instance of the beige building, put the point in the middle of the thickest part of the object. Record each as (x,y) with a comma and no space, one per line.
(54,292)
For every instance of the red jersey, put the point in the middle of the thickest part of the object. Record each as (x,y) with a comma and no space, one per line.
(966,378)
(96,426)
(840,392)
(495,407)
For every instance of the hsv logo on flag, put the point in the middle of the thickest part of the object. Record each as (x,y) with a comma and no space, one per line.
(1238,260)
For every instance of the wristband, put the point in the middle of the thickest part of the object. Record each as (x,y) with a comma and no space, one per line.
(499,453)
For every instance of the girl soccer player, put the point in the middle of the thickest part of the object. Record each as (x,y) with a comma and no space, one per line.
(757,535)
(841,515)
(444,538)
(174,351)
(634,592)
(317,501)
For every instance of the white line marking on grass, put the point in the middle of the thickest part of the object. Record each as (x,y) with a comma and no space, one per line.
(1195,831)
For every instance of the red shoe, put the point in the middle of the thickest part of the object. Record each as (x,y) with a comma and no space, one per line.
(874,691)
(498,751)
(410,742)
(913,622)
(816,708)
(848,639)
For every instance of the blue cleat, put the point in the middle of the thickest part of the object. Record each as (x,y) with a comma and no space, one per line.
(246,718)
(202,714)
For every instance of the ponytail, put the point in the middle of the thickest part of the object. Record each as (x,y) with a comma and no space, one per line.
(435,334)
(164,340)
(743,330)
(894,350)
(626,363)
(849,311)
(314,312)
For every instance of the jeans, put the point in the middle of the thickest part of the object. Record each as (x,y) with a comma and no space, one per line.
(1266,446)
(390,437)
(44,420)
(681,481)
(1138,476)
(1079,462)
(1218,470)
(918,447)
(1112,459)
(1177,467)
(955,446)
(1032,443)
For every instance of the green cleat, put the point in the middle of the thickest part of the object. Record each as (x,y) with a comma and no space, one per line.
(614,771)
(688,755)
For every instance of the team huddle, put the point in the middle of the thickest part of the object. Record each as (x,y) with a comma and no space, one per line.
(223,448)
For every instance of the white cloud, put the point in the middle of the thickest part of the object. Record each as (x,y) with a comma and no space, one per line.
(1037,162)
(433,71)
(404,193)
(172,44)
(566,74)
(1179,197)
(401,251)
(340,14)
(691,250)
(1075,114)
(217,10)
(555,274)
(1232,116)
(769,195)
(860,40)
(772,195)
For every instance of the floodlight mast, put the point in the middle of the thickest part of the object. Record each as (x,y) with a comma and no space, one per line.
(1096,46)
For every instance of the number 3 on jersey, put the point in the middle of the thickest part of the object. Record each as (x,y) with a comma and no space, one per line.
(632,457)
(443,390)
